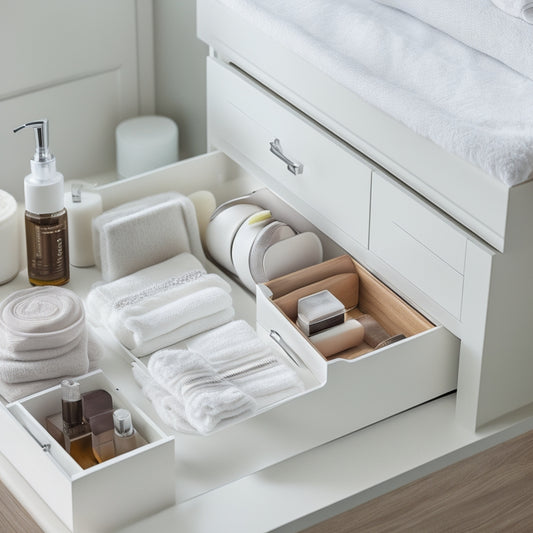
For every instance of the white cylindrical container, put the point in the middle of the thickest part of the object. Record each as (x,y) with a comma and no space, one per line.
(82,206)
(145,143)
(9,238)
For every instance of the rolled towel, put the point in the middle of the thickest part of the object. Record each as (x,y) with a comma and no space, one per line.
(15,391)
(522,9)
(207,397)
(144,232)
(41,322)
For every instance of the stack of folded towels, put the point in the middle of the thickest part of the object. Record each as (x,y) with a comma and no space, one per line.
(44,338)
(162,304)
(226,374)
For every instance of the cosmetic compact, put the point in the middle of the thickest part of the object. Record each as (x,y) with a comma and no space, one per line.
(318,312)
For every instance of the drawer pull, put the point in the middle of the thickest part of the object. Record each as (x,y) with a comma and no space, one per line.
(293,166)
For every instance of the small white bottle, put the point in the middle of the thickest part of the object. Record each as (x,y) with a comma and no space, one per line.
(126,438)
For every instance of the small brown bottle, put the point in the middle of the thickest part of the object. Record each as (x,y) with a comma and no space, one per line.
(46,217)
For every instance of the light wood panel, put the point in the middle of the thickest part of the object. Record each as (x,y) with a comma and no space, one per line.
(492,491)
(13,517)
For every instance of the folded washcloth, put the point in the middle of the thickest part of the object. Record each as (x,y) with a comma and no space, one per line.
(40,322)
(207,397)
(230,345)
(241,357)
(184,332)
(522,9)
(106,297)
(162,304)
(167,406)
(15,391)
(138,234)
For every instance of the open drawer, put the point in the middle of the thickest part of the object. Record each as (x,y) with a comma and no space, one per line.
(362,385)
(104,496)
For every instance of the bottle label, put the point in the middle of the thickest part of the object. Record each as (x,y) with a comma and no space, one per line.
(47,250)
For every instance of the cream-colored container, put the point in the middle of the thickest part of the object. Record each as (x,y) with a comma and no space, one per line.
(9,238)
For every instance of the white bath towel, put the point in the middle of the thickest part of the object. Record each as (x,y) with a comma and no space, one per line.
(106,297)
(207,397)
(139,234)
(466,102)
(167,406)
(184,332)
(240,356)
(15,391)
(522,9)
(480,25)
(162,304)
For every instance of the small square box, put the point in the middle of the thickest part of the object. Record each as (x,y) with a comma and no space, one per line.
(319,311)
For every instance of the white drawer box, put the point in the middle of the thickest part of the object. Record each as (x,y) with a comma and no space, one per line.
(422,245)
(333,187)
(361,386)
(100,498)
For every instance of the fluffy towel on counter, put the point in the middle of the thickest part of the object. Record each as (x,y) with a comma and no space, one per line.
(464,101)
(240,356)
(206,396)
(15,391)
(138,234)
(522,9)
(480,25)
(162,304)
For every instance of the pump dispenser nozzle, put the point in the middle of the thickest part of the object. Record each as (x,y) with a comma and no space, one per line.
(42,151)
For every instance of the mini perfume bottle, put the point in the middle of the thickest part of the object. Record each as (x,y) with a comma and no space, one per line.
(103,432)
(126,438)
(77,434)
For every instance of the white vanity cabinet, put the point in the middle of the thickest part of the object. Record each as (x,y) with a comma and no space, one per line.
(446,236)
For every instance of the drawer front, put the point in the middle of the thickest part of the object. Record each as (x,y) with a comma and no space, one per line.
(244,120)
(420,244)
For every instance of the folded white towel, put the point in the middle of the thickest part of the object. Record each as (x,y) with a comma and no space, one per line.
(476,23)
(40,322)
(162,304)
(466,102)
(230,345)
(139,234)
(105,297)
(184,332)
(167,406)
(522,9)
(15,391)
(241,357)
(208,399)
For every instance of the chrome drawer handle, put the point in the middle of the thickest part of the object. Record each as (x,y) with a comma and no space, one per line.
(293,166)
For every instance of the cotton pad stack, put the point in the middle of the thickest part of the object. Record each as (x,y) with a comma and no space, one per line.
(161,305)
(44,338)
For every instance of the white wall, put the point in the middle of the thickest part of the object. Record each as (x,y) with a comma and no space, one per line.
(180,72)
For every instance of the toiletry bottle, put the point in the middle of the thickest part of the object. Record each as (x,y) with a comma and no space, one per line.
(77,434)
(103,436)
(126,438)
(46,216)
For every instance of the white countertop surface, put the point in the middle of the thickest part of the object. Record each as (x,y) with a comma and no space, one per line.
(311,486)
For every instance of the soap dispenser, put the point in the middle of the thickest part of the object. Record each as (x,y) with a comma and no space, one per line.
(45,216)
